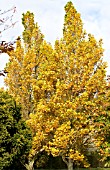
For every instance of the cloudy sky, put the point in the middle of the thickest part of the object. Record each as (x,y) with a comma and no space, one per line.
(50,14)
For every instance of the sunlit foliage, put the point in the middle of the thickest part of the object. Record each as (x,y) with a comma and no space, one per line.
(61,89)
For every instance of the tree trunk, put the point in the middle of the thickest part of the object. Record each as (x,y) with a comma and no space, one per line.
(70,164)
(29,166)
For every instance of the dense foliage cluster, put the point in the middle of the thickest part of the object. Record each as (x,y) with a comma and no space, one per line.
(15,137)
(63,92)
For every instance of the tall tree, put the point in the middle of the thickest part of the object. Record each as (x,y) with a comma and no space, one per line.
(22,67)
(79,93)
(44,118)
(61,89)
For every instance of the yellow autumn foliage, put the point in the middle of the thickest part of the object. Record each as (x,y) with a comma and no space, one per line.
(60,89)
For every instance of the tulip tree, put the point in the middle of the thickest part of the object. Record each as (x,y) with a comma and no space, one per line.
(61,89)
(79,99)
(22,67)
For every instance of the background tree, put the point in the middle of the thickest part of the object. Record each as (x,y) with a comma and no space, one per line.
(6,19)
(15,136)
(6,22)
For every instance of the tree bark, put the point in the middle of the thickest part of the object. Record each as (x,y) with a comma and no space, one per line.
(29,166)
(70,164)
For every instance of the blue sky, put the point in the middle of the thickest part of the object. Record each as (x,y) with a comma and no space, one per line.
(50,14)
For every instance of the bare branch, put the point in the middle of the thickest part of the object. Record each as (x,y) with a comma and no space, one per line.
(7,22)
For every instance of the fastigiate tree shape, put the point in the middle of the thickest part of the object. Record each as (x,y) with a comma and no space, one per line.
(79,93)
(22,67)
(61,90)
